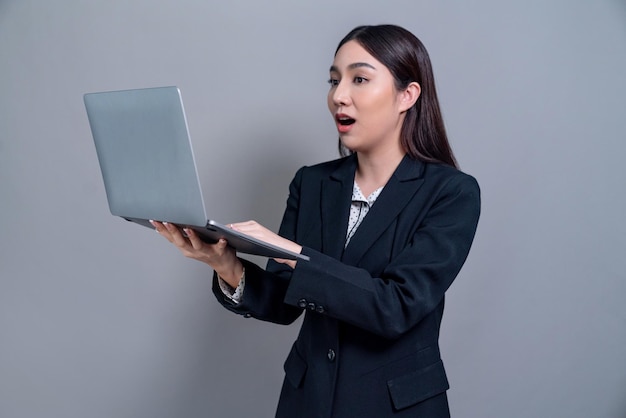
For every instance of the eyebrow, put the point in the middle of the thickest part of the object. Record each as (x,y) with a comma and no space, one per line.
(352,66)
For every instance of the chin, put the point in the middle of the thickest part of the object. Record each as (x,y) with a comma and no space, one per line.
(351,146)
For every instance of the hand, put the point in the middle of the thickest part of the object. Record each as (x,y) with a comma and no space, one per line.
(256,230)
(222,258)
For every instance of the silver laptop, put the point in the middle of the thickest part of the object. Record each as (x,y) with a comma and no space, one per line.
(148,166)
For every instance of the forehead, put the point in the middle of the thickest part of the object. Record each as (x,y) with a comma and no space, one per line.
(352,53)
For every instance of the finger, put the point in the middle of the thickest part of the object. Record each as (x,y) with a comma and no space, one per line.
(176,236)
(162,230)
(225,251)
(290,263)
(158,226)
(246,224)
(248,227)
(194,239)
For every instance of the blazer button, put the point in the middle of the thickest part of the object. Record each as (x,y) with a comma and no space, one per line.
(331,354)
(311,306)
(320,309)
(302,303)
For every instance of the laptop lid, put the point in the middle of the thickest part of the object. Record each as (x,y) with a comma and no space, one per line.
(148,167)
(145,154)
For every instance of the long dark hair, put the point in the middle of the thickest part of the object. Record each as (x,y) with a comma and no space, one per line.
(423,135)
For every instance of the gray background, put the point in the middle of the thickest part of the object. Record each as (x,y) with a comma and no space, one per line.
(100,318)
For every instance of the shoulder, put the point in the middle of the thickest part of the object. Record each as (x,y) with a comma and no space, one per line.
(434,177)
(327,167)
(449,177)
(444,186)
(453,190)
(338,167)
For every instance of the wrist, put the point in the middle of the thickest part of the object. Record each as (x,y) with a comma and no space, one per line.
(231,275)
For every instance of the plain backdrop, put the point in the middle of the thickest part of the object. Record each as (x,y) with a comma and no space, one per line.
(100,318)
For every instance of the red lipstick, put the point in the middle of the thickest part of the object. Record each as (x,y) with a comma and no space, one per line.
(344,122)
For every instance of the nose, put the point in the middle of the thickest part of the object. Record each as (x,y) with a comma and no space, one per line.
(340,94)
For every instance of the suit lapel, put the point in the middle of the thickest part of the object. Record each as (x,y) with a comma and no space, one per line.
(396,194)
(335,202)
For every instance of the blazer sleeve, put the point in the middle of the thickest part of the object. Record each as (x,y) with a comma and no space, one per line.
(413,283)
(409,288)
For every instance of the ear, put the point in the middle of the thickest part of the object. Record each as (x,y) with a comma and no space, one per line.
(409,96)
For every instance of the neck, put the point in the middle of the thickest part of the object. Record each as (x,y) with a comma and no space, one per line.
(374,171)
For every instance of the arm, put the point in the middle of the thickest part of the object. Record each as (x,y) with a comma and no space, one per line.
(265,290)
(219,256)
(412,284)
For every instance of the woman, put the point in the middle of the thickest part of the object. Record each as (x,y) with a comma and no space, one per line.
(373,290)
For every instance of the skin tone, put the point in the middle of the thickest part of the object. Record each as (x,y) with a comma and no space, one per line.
(369,112)
(363,89)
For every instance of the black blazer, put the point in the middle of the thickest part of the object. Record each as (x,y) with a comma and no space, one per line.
(368,346)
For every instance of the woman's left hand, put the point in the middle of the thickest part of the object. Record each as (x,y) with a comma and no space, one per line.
(258,231)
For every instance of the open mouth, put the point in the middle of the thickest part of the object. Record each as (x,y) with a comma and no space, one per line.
(344,120)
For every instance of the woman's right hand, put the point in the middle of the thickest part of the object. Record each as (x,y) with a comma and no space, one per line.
(222,258)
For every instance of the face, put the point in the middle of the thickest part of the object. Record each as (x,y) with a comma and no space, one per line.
(364,102)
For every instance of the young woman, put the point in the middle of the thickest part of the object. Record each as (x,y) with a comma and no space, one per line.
(387,229)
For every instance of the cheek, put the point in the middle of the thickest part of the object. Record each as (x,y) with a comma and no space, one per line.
(374,96)
(385,103)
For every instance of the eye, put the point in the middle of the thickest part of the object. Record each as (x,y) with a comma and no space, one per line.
(333,82)
(360,80)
